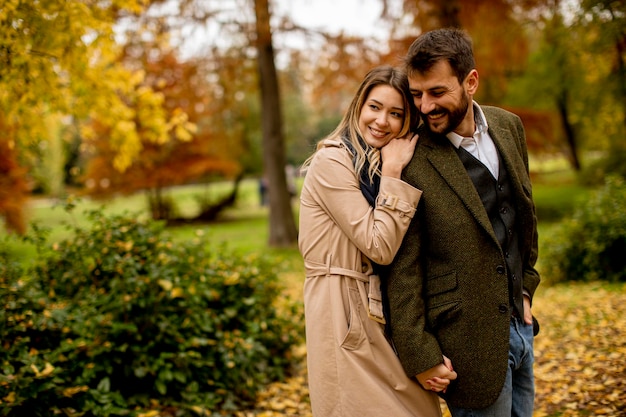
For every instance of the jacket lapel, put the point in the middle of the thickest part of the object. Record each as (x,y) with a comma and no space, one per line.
(446,162)
(511,158)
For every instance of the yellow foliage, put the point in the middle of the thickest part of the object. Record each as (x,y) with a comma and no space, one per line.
(165,284)
(62,57)
(48,369)
(10,398)
(69,392)
(177,292)
(580,358)
(152,413)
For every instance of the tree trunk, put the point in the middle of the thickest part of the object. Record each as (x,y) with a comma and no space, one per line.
(449,14)
(281,222)
(620,46)
(570,136)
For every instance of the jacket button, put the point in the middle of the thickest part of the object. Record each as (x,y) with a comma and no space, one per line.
(500,269)
(503,308)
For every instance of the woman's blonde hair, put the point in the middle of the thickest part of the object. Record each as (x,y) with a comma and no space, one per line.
(348,129)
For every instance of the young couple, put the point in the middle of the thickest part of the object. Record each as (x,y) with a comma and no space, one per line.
(420,248)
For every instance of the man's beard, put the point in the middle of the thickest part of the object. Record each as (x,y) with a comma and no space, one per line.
(455,117)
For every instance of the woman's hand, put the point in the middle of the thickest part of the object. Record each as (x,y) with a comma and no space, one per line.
(438,378)
(396,154)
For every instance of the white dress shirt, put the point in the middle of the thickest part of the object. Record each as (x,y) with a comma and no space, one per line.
(484,149)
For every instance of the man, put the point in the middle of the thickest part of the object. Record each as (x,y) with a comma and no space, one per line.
(462,283)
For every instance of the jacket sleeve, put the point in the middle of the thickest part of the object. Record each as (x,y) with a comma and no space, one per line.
(375,231)
(417,348)
(531,276)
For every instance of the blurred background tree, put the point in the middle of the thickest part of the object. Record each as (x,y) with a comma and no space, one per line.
(60,60)
(124,96)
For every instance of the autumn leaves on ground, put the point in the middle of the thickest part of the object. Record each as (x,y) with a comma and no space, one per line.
(580,354)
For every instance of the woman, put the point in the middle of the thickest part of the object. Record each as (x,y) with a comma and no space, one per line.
(354,212)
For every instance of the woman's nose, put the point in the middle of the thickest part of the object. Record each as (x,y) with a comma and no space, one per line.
(382,119)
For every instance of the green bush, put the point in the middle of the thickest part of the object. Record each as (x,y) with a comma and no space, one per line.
(591,245)
(612,164)
(120,319)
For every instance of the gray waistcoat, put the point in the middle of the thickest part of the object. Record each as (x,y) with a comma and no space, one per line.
(498,201)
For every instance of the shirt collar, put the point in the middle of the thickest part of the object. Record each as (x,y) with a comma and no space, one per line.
(481,126)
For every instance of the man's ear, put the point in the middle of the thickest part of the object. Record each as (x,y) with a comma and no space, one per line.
(471,82)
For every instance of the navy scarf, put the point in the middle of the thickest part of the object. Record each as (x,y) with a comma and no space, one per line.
(369,188)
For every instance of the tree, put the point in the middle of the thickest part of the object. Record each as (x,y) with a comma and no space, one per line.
(282,230)
(59,58)
(608,20)
(186,93)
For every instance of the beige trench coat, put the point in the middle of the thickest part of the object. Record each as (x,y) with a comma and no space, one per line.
(353,370)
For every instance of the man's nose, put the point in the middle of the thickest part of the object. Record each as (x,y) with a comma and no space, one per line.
(426,105)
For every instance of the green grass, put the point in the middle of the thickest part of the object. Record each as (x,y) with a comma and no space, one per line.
(244,227)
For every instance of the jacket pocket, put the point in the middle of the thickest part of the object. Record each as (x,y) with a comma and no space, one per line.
(440,284)
(443,302)
(355,335)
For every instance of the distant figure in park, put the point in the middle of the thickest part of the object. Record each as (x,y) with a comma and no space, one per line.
(290,175)
(263,191)
(354,212)
(463,280)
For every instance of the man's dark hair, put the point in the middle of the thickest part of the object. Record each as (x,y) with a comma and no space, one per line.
(450,44)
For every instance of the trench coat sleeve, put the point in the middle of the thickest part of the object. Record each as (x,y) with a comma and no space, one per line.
(377,232)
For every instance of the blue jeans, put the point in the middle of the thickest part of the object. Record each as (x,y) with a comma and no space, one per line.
(518,394)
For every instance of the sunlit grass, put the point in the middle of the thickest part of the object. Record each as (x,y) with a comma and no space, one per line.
(244,227)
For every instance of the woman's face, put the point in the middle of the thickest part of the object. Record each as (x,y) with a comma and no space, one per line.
(382,116)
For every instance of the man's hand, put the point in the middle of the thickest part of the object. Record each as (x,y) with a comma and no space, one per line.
(437,378)
(528,315)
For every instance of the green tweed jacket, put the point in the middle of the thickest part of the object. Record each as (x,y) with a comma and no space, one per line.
(447,290)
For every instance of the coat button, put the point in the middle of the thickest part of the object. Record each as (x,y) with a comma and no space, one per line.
(500,269)
(503,308)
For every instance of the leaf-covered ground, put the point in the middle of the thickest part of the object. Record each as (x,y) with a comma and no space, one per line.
(580,357)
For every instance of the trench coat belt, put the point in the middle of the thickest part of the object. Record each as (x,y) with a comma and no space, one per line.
(375,298)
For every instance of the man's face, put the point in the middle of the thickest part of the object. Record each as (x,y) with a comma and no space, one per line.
(443,102)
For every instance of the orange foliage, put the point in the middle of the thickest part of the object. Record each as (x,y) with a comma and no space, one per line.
(541,129)
(496,27)
(338,69)
(14,188)
(175,162)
